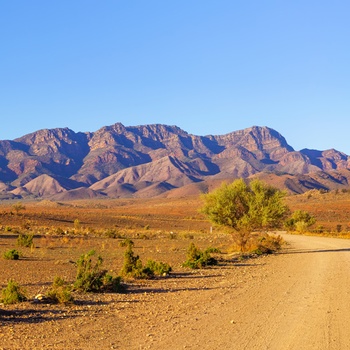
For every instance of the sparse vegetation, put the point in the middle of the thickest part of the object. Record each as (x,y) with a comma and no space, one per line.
(134,268)
(127,242)
(13,293)
(18,208)
(12,254)
(60,292)
(25,240)
(91,278)
(268,244)
(158,268)
(300,221)
(58,248)
(197,259)
(77,225)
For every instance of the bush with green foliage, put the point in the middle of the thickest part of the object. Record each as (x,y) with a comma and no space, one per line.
(268,244)
(13,293)
(12,254)
(127,242)
(25,240)
(18,207)
(300,221)
(112,233)
(158,268)
(90,277)
(245,208)
(242,206)
(197,259)
(133,267)
(60,292)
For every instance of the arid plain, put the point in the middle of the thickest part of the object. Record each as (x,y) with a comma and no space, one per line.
(195,309)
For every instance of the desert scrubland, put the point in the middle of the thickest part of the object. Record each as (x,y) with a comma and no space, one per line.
(296,299)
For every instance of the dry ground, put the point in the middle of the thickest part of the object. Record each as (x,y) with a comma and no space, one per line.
(295,300)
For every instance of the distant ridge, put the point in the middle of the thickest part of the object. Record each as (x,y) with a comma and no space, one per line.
(158,160)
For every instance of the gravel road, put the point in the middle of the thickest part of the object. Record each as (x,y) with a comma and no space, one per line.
(298,299)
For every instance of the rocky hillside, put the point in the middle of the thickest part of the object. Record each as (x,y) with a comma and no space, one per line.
(150,160)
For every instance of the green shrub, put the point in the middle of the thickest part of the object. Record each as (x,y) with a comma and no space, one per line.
(197,259)
(25,240)
(158,268)
(127,242)
(112,233)
(133,267)
(319,229)
(13,293)
(18,207)
(12,254)
(111,283)
(213,250)
(301,226)
(268,244)
(300,221)
(77,225)
(60,292)
(90,277)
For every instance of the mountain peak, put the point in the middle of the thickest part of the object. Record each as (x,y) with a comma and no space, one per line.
(158,156)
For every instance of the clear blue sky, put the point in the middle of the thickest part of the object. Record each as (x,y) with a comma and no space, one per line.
(207,66)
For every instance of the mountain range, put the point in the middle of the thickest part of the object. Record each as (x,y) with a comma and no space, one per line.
(153,160)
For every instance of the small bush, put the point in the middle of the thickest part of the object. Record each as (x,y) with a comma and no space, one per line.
(213,250)
(77,225)
(127,242)
(268,244)
(25,240)
(111,284)
(58,231)
(301,226)
(300,221)
(197,259)
(13,293)
(90,277)
(12,254)
(111,233)
(158,268)
(133,267)
(60,292)
(319,229)
(18,207)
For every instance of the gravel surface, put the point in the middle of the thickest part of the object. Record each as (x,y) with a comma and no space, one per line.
(298,299)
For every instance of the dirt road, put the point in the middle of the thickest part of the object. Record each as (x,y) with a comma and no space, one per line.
(296,300)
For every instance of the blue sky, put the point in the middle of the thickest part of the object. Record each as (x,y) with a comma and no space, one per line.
(209,67)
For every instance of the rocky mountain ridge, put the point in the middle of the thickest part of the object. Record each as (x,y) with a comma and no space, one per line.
(149,160)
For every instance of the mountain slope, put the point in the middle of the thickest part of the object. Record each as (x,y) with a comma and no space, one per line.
(153,159)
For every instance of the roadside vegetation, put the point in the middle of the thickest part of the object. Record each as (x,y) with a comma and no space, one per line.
(246,208)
